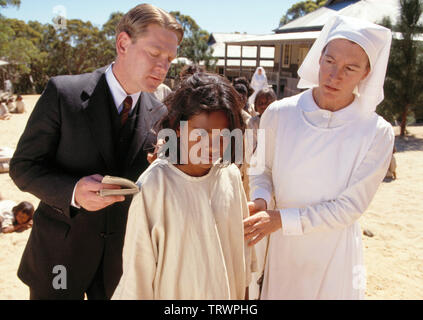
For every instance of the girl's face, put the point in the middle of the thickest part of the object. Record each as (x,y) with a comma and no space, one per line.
(21,217)
(261,105)
(216,120)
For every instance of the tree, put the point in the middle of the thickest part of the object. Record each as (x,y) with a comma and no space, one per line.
(18,47)
(300,9)
(108,31)
(404,82)
(194,45)
(5,3)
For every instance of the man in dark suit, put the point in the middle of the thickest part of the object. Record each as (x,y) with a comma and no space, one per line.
(82,128)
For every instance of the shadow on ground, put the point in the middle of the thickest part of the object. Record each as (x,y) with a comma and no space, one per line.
(408,143)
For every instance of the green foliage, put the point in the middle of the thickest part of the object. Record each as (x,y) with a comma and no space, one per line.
(194,45)
(300,9)
(5,3)
(404,81)
(40,51)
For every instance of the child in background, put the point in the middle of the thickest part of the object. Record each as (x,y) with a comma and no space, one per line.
(11,105)
(14,217)
(263,99)
(184,238)
(4,112)
(20,105)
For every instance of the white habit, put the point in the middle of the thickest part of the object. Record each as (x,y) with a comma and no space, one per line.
(323,169)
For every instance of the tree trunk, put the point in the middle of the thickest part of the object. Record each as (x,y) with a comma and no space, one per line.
(404,120)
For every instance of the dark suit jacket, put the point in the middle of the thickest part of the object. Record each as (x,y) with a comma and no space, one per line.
(68,136)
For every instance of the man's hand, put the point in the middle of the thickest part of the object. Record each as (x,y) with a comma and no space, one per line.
(256,206)
(86,194)
(260,225)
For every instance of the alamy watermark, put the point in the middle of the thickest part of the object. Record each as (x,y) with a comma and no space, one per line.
(60,17)
(60,281)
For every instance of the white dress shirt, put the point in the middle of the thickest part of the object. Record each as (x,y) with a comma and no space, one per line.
(119,95)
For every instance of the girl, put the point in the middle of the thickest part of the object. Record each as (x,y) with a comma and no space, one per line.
(15,218)
(184,237)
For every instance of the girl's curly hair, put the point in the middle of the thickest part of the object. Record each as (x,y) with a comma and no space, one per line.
(203,92)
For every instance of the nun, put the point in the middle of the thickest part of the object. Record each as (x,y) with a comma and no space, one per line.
(258,82)
(326,153)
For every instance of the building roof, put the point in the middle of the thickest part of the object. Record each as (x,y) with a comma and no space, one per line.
(371,10)
(271,39)
(217,37)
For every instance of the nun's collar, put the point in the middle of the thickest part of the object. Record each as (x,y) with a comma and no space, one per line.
(324,118)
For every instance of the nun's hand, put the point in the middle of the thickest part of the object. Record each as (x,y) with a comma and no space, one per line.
(260,225)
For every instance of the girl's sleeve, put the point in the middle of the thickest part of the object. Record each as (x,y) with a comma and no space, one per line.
(140,252)
(249,252)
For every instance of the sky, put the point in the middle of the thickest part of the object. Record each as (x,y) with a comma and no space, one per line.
(250,16)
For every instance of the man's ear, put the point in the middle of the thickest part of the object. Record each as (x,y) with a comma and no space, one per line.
(123,41)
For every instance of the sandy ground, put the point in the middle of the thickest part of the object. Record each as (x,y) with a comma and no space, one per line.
(393,257)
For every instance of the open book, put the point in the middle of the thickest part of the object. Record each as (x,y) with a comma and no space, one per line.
(128,187)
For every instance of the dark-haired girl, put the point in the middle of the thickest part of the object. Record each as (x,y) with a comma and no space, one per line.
(184,237)
(14,218)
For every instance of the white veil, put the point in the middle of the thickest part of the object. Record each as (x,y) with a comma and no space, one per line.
(375,41)
(259,82)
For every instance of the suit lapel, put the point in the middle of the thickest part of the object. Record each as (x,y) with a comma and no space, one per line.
(151,110)
(95,105)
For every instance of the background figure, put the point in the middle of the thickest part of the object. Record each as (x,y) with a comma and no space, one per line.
(243,93)
(5,156)
(19,105)
(264,98)
(162,92)
(392,170)
(8,86)
(243,81)
(4,111)
(258,82)
(189,70)
(14,218)
(11,105)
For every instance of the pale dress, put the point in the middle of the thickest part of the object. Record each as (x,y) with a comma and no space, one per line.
(184,237)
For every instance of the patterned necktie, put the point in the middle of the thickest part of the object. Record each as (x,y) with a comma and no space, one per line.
(127,106)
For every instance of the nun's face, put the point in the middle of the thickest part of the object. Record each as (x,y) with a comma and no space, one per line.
(343,65)
(259,72)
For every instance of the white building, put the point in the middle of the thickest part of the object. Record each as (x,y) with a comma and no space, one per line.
(292,41)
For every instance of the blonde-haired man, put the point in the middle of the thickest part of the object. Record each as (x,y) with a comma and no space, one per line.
(82,128)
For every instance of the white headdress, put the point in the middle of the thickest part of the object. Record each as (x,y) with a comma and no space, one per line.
(259,82)
(375,41)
